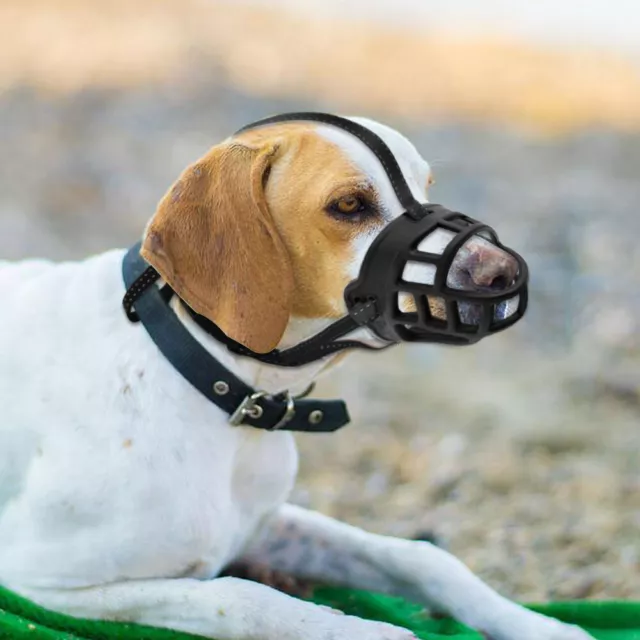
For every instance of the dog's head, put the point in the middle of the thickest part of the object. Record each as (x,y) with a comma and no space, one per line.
(275,222)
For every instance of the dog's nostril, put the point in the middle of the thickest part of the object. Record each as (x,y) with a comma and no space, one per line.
(499,283)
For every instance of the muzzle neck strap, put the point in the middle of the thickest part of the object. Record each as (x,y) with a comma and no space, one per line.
(321,345)
(245,405)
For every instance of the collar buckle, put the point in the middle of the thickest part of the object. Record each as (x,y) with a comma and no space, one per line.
(289,412)
(250,407)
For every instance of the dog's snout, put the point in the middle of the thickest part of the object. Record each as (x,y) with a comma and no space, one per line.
(484,266)
(491,268)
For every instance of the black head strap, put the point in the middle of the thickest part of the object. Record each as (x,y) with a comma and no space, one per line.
(368,137)
(245,405)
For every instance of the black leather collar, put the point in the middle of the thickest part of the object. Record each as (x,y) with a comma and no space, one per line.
(245,405)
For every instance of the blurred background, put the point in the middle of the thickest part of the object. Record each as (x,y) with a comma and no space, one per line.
(521,454)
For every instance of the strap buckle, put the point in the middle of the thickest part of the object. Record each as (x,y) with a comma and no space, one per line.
(250,407)
(289,412)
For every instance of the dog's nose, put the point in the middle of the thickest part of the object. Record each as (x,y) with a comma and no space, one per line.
(482,266)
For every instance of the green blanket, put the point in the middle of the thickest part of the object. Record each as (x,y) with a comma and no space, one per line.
(20,618)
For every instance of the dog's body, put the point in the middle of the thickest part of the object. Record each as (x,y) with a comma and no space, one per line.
(140,436)
(124,492)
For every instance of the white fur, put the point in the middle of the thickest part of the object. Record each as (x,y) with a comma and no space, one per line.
(124,492)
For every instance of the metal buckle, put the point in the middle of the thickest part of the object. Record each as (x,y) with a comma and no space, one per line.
(288,414)
(249,407)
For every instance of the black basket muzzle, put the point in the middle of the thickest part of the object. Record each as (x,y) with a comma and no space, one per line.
(412,311)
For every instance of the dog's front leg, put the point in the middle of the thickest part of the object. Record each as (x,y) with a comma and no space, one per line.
(311,546)
(224,609)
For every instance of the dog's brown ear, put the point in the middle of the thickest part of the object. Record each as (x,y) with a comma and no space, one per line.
(214,241)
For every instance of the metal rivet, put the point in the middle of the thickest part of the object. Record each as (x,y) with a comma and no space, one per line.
(221,387)
(255,412)
(315,417)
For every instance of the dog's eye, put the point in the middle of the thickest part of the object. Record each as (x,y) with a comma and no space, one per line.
(351,208)
(349,204)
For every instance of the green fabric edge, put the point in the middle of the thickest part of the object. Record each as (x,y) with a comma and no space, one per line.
(605,620)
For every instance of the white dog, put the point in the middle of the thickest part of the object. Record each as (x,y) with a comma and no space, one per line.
(124,492)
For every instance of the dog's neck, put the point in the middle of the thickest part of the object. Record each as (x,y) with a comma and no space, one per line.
(257,374)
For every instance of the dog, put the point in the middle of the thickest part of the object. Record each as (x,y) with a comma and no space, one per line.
(125,493)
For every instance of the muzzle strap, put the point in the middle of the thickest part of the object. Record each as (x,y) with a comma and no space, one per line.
(321,345)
